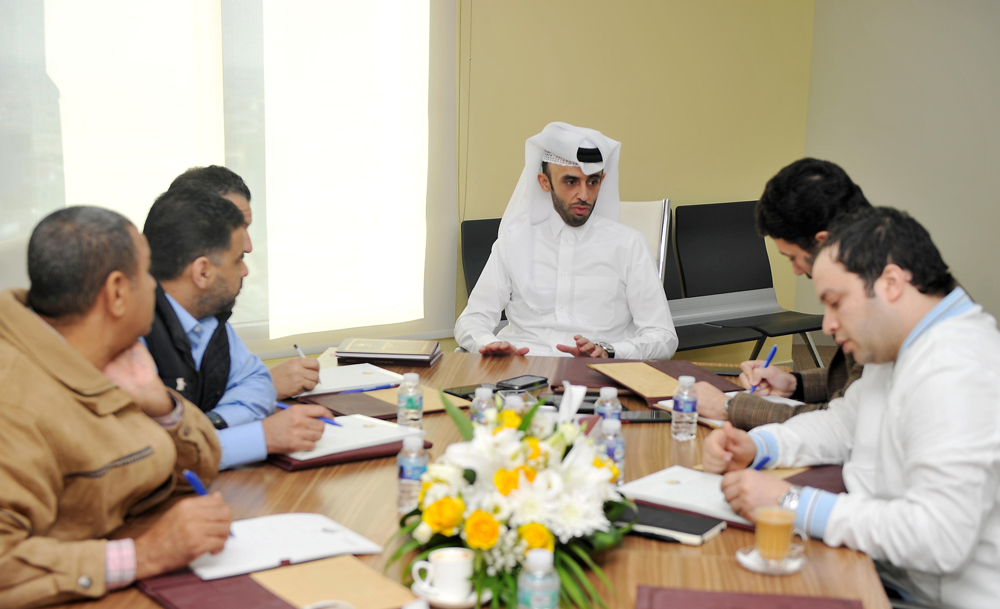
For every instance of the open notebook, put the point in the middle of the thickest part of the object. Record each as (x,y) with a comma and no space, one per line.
(334,379)
(356,431)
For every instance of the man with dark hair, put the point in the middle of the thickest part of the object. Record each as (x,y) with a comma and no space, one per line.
(196,238)
(89,433)
(799,204)
(297,374)
(918,434)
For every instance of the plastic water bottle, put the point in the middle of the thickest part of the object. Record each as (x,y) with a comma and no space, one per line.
(607,406)
(410,403)
(538,584)
(412,462)
(611,442)
(481,404)
(684,420)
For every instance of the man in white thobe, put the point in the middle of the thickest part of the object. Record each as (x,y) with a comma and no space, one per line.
(572,280)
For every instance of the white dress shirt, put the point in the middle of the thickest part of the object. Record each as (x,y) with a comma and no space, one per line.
(597,280)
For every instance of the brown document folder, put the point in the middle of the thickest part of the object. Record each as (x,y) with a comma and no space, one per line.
(185,590)
(343,404)
(649,597)
(372,452)
(577,371)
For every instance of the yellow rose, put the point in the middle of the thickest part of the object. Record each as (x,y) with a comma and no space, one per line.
(537,536)
(481,531)
(505,481)
(444,515)
(509,418)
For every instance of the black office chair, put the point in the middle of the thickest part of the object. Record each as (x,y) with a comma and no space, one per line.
(477,243)
(691,333)
(725,266)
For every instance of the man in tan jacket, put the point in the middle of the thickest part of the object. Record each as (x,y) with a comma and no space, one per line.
(88,433)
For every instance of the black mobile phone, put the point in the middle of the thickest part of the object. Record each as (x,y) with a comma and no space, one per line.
(555,399)
(468,391)
(646,416)
(525,382)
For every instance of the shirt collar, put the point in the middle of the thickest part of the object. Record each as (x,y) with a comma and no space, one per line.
(955,303)
(188,322)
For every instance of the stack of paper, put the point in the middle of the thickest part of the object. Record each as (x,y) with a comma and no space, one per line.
(398,352)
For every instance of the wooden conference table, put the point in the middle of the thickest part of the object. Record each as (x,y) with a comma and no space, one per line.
(362,496)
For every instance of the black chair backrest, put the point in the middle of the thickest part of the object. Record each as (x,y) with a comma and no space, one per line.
(477,242)
(719,249)
(672,273)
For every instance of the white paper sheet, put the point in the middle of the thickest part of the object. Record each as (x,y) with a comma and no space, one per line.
(355,431)
(355,376)
(265,542)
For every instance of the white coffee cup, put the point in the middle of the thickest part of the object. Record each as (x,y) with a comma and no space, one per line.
(448,573)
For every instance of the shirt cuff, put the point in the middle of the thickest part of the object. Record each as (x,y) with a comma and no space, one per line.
(174,416)
(242,444)
(237,415)
(119,563)
(814,510)
(767,446)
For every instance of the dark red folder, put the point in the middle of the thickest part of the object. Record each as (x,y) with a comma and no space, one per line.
(185,590)
(372,452)
(649,597)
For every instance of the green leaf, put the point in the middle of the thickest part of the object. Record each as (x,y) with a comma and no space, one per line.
(462,422)
(470,476)
(409,546)
(577,570)
(603,541)
(587,560)
(526,421)
(572,589)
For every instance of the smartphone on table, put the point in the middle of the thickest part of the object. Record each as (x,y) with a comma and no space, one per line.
(645,416)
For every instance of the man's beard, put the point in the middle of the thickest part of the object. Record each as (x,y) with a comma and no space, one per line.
(563,210)
(217,301)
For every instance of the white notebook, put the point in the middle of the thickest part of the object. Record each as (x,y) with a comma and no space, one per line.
(356,376)
(684,489)
(265,542)
(355,431)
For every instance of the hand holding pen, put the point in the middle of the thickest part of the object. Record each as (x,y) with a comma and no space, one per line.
(767,362)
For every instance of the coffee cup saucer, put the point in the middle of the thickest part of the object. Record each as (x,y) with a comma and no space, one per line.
(431,596)
(751,560)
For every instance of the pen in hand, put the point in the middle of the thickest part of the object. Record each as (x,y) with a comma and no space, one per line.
(198,486)
(284,406)
(299,351)
(767,362)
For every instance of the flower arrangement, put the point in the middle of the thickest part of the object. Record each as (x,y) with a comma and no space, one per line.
(519,482)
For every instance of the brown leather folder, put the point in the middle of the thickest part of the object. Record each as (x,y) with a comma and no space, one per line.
(576,370)
(185,590)
(825,477)
(649,597)
(372,452)
(343,404)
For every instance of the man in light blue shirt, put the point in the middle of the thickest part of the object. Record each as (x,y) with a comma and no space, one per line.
(197,247)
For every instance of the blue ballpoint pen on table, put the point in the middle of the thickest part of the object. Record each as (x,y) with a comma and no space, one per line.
(767,362)
(284,406)
(364,389)
(198,486)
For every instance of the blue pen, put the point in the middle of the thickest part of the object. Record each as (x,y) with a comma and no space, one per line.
(284,406)
(767,362)
(762,463)
(198,486)
(389,386)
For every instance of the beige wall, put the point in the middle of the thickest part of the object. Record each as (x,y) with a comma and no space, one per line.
(904,95)
(708,98)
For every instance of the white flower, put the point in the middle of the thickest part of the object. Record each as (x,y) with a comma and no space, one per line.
(507,554)
(494,504)
(443,472)
(542,425)
(423,532)
(535,501)
(577,515)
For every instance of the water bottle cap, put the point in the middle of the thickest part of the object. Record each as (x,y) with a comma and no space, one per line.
(514,401)
(686,381)
(609,392)
(411,377)
(539,559)
(611,425)
(484,393)
(548,409)
(413,442)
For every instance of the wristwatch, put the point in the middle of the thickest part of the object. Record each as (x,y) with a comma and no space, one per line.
(607,348)
(790,500)
(216,420)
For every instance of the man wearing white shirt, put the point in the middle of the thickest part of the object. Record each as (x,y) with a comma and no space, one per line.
(918,434)
(572,280)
